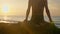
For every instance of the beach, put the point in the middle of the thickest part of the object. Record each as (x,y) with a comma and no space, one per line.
(12,26)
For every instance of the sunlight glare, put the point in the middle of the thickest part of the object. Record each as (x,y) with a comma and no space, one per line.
(5,8)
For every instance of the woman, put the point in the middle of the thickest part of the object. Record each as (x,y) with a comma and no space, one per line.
(37,11)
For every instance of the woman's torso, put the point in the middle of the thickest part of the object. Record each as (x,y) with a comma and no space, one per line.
(37,10)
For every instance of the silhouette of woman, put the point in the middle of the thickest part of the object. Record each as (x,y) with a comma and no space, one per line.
(37,11)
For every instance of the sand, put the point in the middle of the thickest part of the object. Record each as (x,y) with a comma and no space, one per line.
(25,28)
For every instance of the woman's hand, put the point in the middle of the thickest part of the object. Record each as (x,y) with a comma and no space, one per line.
(51,21)
(26,20)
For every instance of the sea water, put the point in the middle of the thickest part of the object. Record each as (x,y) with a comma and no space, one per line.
(13,19)
(56,20)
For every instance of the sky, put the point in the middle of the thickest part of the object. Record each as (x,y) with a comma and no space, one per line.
(19,7)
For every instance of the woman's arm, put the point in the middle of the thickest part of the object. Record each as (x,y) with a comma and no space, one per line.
(28,10)
(47,10)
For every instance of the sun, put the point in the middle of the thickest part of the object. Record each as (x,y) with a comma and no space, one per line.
(5,8)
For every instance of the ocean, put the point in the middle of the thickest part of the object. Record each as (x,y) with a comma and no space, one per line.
(14,19)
